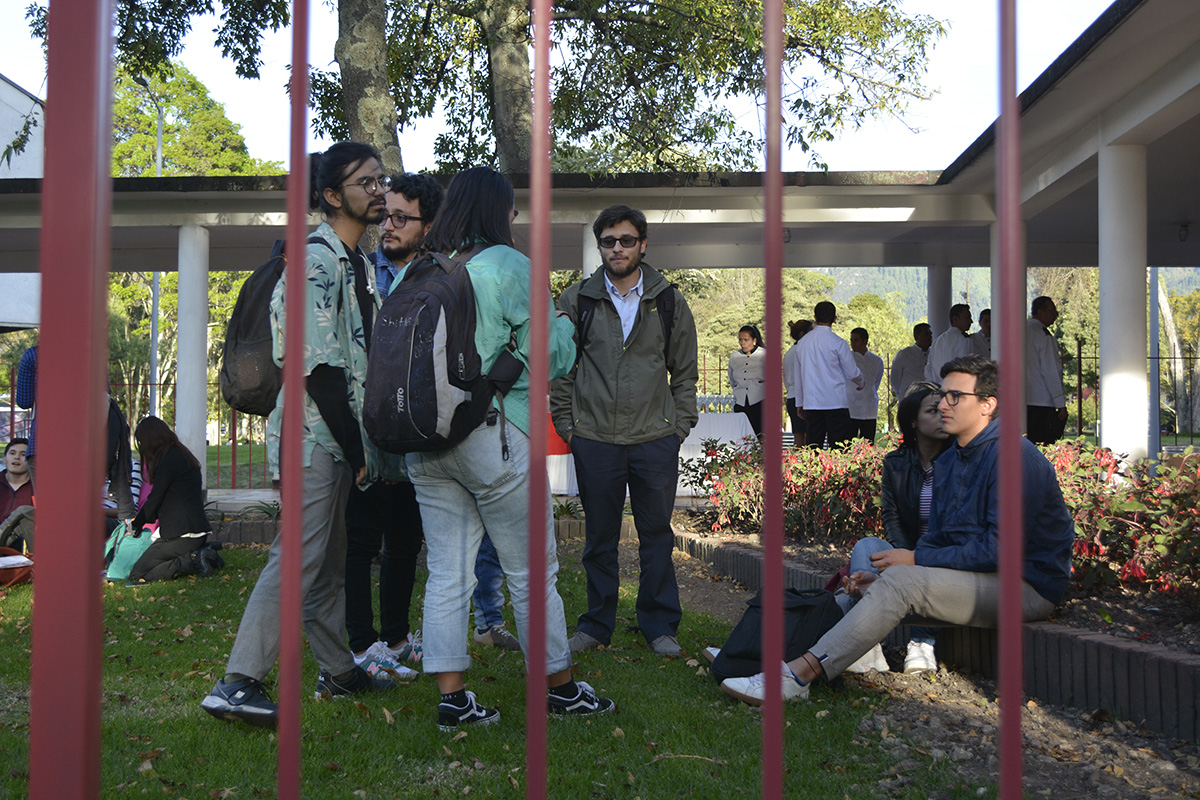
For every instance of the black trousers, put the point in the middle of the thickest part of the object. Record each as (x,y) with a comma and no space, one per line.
(382,518)
(863,429)
(833,423)
(650,470)
(1042,425)
(799,425)
(753,413)
(167,559)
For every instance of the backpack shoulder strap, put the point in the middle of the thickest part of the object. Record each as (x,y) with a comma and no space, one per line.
(665,304)
(585,311)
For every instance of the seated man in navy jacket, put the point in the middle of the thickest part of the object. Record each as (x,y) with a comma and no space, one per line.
(951,576)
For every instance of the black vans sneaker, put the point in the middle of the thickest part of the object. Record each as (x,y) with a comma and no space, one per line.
(585,703)
(359,683)
(245,700)
(452,717)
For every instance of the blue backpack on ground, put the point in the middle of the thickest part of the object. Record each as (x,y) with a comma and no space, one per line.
(123,550)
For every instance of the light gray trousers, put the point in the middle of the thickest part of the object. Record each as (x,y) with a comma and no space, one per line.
(327,484)
(951,596)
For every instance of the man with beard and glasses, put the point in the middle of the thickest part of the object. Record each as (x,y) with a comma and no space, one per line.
(624,410)
(348,186)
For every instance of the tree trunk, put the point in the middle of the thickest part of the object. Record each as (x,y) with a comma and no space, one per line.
(361,53)
(506,25)
(1178,373)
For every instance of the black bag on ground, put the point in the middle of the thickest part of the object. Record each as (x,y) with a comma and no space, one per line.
(250,380)
(808,615)
(425,386)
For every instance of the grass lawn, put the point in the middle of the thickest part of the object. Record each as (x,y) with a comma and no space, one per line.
(676,734)
(252,472)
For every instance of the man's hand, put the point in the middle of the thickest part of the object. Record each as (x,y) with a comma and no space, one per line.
(360,476)
(858,582)
(891,558)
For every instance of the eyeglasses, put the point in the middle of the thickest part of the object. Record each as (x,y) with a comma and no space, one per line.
(371,185)
(609,242)
(952,397)
(400,220)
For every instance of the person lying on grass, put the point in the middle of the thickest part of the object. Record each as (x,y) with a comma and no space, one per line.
(951,577)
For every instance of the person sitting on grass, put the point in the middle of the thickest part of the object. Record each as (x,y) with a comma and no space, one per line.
(907,495)
(181,539)
(951,577)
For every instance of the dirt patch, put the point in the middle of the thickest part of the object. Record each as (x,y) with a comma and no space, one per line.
(953,718)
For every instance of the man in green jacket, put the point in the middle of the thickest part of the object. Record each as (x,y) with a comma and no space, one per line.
(624,410)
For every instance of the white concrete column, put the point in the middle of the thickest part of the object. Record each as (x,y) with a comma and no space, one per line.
(1124,387)
(191,370)
(590,258)
(940,280)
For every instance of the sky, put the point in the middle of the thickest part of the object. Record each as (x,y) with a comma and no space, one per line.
(962,71)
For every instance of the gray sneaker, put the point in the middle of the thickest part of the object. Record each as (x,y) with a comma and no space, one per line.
(666,646)
(497,636)
(582,641)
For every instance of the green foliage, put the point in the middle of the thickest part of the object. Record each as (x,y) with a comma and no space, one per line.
(149,35)
(20,139)
(198,139)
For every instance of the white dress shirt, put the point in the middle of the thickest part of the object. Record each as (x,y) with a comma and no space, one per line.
(824,365)
(626,304)
(908,367)
(864,403)
(947,347)
(1043,367)
(746,375)
(789,365)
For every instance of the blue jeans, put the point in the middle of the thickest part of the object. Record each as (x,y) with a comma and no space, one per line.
(463,491)
(860,561)
(489,578)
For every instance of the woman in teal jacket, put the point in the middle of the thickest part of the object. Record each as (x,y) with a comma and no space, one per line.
(475,486)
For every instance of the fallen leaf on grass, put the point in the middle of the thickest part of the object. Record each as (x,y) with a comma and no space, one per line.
(458,737)
(824,712)
(332,766)
(388,718)
(446,750)
(362,709)
(513,781)
(665,756)
(618,733)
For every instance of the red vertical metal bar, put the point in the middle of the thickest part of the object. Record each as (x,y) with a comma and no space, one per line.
(1012,389)
(772,581)
(293,406)
(539,310)
(65,709)
(232,448)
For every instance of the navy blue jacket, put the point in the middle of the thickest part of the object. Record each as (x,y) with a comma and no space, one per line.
(963,523)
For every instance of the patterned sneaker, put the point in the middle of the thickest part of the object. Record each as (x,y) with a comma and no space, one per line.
(245,700)
(452,717)
(378,661)
(919,658)
(497,636)
(753,690)
(409,650)
(584,704)
(359,683)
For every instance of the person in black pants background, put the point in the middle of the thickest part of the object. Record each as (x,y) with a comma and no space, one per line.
(176,502)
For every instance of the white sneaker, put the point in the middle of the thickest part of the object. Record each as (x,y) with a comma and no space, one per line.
(920,658)
(873,659)
(378,661)
(711,653)
(753,690)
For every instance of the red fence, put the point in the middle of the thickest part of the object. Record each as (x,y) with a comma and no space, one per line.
(65,709)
